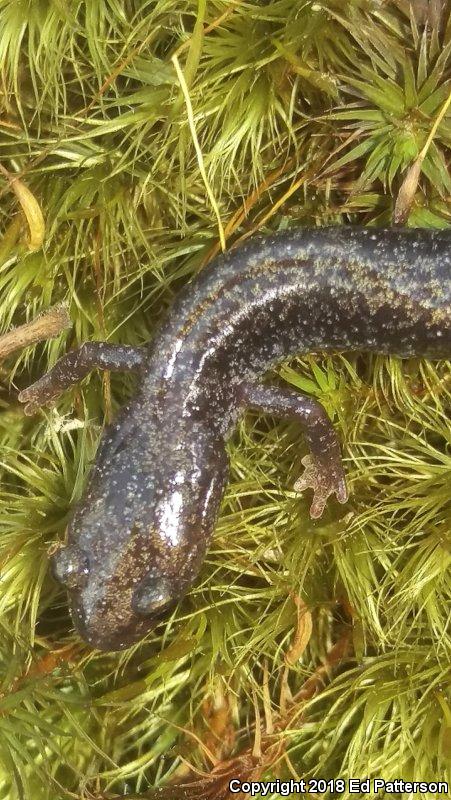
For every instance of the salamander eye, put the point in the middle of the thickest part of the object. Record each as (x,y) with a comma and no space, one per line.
(70,566)
(153,595)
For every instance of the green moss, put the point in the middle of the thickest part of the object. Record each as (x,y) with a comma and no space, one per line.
(306,113)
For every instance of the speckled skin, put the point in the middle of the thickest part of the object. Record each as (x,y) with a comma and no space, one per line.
(137,540)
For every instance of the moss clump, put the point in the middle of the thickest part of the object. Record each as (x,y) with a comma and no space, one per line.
(306,649)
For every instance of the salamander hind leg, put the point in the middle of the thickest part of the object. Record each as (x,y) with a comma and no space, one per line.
(72,367)
(323,466)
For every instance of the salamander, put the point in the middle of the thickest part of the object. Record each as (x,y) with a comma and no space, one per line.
(137,540)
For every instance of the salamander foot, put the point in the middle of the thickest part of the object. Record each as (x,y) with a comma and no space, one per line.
(39,393)
(325,477)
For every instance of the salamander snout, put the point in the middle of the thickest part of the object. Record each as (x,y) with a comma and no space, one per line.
(69,565)
(95,613)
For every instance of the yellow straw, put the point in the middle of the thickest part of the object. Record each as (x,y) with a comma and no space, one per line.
(189,110)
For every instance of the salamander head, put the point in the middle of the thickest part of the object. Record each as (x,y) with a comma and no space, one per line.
(137,541)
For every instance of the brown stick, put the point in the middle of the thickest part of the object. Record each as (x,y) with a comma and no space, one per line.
(46,326)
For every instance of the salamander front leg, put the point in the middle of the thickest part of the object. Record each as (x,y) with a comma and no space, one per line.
(323,467)
(75,365)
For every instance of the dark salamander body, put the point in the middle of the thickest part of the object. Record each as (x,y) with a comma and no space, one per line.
(137,540)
